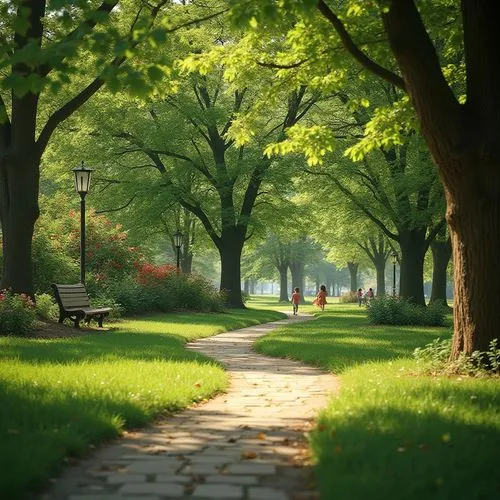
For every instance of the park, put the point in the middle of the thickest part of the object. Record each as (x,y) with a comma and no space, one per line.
(249,250)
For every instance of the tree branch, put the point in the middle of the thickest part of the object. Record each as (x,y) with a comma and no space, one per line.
(82,97)
(357,202)
(198,20)
(355,51)
(117,209)
(87,25)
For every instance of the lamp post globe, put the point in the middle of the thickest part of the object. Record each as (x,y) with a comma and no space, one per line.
(178,237)
(82,187)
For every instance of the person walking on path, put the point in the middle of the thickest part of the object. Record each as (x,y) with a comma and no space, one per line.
(295,300)
(359,294)
(320,299)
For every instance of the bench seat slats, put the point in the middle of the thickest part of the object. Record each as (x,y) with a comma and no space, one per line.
(74,303)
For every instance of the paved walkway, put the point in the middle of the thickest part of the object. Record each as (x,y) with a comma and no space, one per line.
(247,444)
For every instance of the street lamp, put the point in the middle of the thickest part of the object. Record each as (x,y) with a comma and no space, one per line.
(178,236)
(82,185)
(394,256)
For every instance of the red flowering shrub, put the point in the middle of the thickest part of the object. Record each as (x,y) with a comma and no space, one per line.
(153,275)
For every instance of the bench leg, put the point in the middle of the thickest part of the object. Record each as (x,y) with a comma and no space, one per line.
(77,322)
(99,320)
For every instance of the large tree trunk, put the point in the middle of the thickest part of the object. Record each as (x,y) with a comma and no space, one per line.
(474,218)
(380,270)
(283,270)
(463,140)
(230,250)
(353,273)
(297,271)
(187,262)
(411,277)
(441,254)
(19,179)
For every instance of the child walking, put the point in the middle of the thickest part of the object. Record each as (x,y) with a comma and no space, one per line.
(295,300)
(320,299)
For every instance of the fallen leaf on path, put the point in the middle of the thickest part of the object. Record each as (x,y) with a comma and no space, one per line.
(249,454)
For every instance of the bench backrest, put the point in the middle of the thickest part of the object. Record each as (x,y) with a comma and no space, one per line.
(71,295)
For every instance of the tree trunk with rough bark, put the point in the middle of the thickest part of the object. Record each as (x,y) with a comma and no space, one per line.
(353,274)
(380,270)
(230,281)
(463,140)
(18,214)
(411,274)
(441,255)
(297,271)
(283,271)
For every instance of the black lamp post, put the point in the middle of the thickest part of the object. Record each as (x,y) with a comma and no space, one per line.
(394,256)
(178,236)
(82,185)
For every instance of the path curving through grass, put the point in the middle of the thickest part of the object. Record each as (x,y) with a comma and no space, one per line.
(60,396)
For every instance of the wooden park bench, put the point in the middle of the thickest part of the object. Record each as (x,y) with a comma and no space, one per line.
(74,303)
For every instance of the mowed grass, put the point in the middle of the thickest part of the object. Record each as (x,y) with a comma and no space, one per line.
(272,303)
(59,396)
(391,432)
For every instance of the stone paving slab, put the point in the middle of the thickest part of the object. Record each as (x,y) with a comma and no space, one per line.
(248,444)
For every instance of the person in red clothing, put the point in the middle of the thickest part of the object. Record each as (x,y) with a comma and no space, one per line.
(295,301)
(320,299)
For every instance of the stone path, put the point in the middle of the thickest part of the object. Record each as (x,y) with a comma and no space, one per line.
(248,444)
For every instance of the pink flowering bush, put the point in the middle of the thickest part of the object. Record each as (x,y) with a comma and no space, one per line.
(17,313)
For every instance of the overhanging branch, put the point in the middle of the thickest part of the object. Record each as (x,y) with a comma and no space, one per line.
(355,51)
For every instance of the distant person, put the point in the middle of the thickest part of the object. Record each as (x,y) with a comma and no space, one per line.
(371,295)
(359,295)
(320,299)
(295,300)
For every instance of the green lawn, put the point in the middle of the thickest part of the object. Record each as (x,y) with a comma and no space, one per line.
(58,396)
(391,432)
(272,303)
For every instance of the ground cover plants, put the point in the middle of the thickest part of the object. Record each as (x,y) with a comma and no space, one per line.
(61,395)
(393,431)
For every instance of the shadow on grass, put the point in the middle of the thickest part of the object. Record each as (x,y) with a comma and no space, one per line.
(395,453)
(40,430)
(100,347)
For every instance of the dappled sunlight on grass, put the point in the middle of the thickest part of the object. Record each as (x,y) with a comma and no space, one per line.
(409,437)
(342,337)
